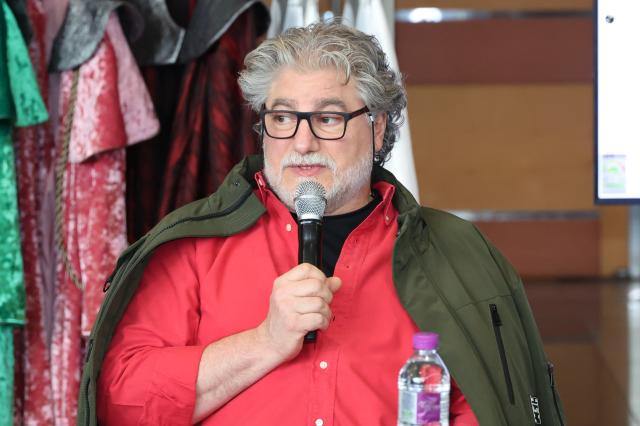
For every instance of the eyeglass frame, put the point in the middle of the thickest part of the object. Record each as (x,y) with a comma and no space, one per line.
(307,116)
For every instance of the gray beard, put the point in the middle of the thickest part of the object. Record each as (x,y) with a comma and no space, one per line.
(346,185)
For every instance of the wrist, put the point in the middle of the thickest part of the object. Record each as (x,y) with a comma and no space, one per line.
(268,348)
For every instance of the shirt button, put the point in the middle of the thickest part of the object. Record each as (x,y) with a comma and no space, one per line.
(319,422)
(323,364)
(288,227)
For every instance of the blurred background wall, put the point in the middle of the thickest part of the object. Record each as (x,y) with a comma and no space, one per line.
(502,121)
(501,114)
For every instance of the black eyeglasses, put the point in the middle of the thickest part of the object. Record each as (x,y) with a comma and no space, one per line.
(327,125)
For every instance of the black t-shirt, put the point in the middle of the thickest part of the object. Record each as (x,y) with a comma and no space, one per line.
(336,229)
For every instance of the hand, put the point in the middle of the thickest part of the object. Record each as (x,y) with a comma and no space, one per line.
(299,303)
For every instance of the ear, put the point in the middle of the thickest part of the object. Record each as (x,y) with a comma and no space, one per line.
(379,126)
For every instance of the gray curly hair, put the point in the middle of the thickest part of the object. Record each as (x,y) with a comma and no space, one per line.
(352,52)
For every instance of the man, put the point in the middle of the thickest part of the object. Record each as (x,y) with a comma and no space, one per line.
(206,315)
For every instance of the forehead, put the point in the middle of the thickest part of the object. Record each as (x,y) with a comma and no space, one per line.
(308,90)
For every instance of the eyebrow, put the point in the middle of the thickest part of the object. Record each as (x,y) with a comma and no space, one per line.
(289,103)
(331,102)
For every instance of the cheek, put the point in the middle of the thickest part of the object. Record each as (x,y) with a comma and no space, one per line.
(358,150)
(272,154)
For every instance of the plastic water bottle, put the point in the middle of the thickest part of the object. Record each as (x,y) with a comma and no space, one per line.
(424,386)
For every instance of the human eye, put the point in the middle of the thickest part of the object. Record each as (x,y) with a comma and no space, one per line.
(281,118)
(329,119)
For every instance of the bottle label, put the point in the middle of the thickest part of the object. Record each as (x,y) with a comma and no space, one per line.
(419,407)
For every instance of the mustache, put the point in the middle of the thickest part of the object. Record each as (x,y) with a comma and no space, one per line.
(312,159)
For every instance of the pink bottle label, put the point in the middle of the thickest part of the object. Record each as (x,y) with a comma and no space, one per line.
(428,409)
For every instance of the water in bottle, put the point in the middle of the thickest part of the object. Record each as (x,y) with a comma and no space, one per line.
(423,385)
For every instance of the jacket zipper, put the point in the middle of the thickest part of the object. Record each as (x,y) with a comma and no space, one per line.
(497,323)
(553,391)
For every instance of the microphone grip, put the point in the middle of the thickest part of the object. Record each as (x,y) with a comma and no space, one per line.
(309,242)
(309,251)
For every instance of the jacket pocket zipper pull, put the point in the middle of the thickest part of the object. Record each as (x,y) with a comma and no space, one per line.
(495,317)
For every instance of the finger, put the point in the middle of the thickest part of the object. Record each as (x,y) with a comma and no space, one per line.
(308,287)
(313,287)
(313,321)
(334,284)
(303,271)
(309,305)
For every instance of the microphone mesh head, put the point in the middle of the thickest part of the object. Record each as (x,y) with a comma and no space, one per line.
(310,200)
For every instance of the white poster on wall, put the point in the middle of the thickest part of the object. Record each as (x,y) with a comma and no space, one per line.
(617,101)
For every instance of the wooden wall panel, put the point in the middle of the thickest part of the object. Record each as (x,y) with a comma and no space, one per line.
(548,248)
(517,147)
(543,50)
(499,4)
(614,231)
(524,147)
(566,311)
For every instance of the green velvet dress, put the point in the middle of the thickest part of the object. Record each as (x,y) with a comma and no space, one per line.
(20,105)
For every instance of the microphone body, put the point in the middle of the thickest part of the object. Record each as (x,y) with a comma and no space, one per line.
(310,242)
(310,203)
(310,251)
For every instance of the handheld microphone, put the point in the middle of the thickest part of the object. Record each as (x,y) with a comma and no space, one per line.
(310,202)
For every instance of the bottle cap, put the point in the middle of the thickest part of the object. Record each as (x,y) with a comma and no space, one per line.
(425,341)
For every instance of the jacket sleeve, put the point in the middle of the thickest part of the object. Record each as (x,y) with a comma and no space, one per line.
(150,370)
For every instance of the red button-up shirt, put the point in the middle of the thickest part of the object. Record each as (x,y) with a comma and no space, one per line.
(196,291)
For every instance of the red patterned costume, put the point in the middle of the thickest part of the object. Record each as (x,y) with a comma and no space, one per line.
(109,110)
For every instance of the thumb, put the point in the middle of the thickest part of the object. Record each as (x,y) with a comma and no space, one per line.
(334,284)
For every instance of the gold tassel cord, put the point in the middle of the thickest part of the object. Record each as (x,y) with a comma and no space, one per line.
(61,166)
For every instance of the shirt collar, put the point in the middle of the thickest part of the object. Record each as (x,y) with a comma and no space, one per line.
(262,185)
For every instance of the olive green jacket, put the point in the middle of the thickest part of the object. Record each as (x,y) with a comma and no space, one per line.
(449,278)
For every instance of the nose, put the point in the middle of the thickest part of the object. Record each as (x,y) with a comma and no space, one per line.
(304,140)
